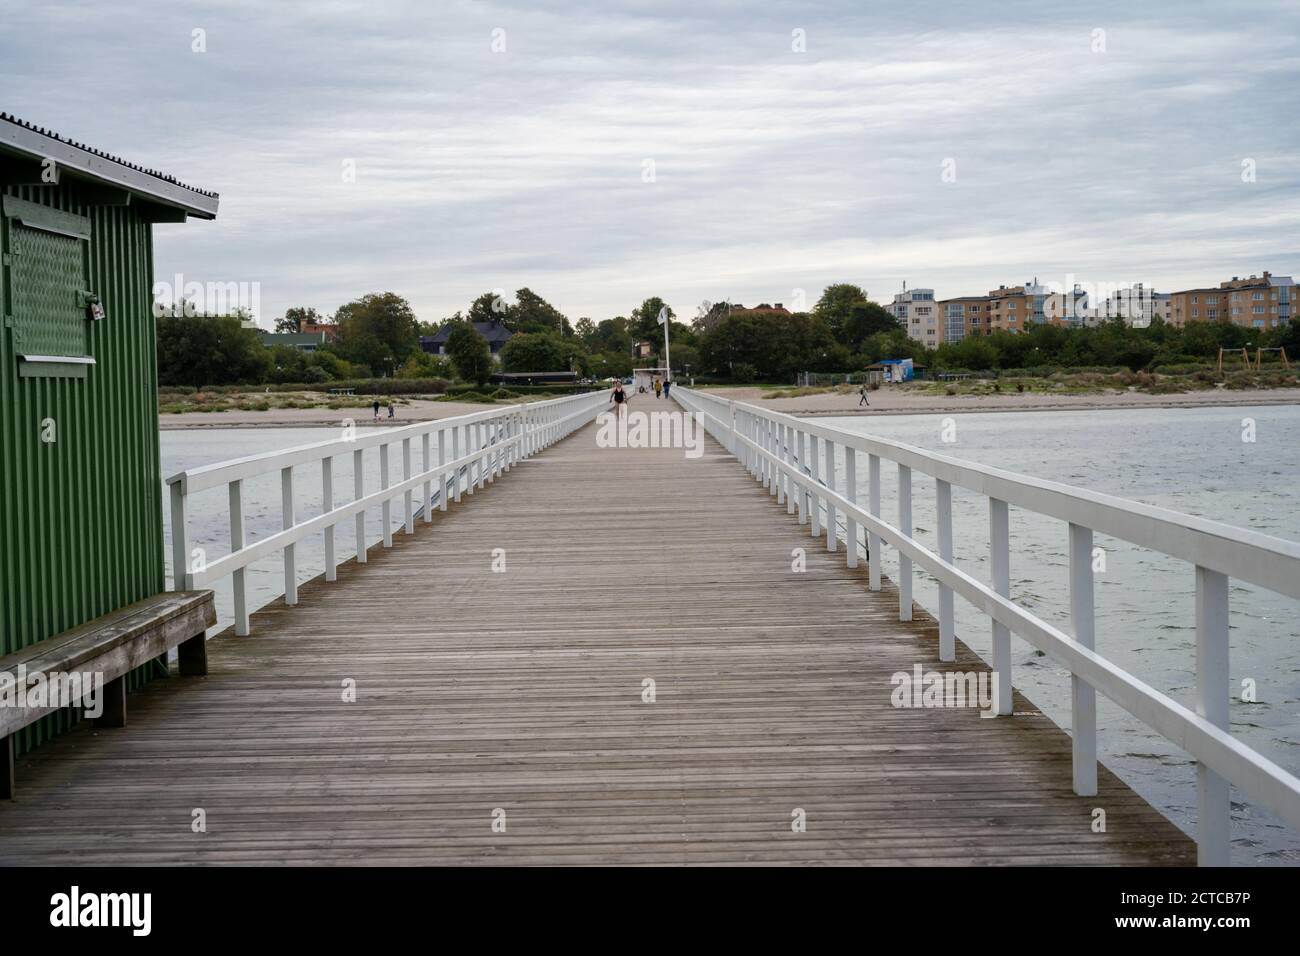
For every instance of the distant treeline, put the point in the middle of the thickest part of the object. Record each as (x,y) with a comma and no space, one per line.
(378,336)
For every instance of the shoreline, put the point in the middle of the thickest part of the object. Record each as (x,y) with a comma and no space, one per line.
(886,401)
(848,413)
(809,406)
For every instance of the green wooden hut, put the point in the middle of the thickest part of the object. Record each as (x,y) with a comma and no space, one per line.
(80,490)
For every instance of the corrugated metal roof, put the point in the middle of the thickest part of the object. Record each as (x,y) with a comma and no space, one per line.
(22,137)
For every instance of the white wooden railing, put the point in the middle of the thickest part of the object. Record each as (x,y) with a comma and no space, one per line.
(471,450)
(796,461)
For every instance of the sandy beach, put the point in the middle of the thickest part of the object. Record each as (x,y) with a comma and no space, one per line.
(416,410)
(903,401)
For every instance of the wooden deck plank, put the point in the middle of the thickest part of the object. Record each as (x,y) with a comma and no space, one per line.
(522,690)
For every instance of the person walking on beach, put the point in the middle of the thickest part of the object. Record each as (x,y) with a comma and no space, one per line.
(618,398)
(862,397)
(390,410)
(376,407)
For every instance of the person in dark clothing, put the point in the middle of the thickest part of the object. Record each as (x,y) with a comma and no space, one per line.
(862,397)
(376,407)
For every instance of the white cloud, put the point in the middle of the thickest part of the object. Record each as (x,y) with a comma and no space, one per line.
(774,170)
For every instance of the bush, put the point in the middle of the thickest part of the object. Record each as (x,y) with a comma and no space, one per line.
(743,372)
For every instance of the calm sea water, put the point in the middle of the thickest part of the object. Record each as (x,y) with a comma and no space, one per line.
(1190,460)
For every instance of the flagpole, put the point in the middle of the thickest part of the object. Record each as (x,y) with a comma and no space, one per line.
(668,366)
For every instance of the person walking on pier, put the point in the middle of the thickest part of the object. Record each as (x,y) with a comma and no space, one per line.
(618,398)
(667,385)
(659,387)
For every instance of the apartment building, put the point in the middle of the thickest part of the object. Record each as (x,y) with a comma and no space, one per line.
(918,313)
(1013,308)
(1137,305)
(1259,302)
(962,316)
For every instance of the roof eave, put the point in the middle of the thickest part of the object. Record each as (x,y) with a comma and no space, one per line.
(83,163)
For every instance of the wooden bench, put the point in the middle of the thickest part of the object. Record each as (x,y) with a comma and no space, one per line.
(111,647)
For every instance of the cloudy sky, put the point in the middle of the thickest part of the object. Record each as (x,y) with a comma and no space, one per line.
(602,152)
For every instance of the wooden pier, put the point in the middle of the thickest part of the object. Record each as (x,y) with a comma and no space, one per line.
(518,698)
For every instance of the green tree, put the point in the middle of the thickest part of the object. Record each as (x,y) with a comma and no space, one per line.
(532,313)
(865,319)
(836,301)
(469,354)
(644,324)
(542,352)
(611,365)
(209,350)
(491,307)
(379,329)
(294,319)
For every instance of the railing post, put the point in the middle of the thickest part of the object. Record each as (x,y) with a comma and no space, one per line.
(476,468)
(831,529)
(1083,696)
(905,526)
(791,489)
(236,493)
(508,458)
(1213,845)
(288,520)
(851,493)
(408,497)
(797,453)
(943,509)
(455,456)
(327,505)
(427,463)
(773,472)
(386,507)
(359,492)
(731,442)
(873,509)
(443,494)
(814,473)
(1000,561)
(180,544)
(778,448)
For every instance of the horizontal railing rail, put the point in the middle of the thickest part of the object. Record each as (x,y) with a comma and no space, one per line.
(471,451)
(782,451)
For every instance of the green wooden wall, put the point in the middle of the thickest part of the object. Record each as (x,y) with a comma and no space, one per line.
(81,516)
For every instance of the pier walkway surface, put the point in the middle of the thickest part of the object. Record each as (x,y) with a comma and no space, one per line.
(505,716)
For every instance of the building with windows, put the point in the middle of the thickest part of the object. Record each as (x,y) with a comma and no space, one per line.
(918,314)
(302,341)
(1137,305)
(494,333)
(1258,302)
(964,315)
